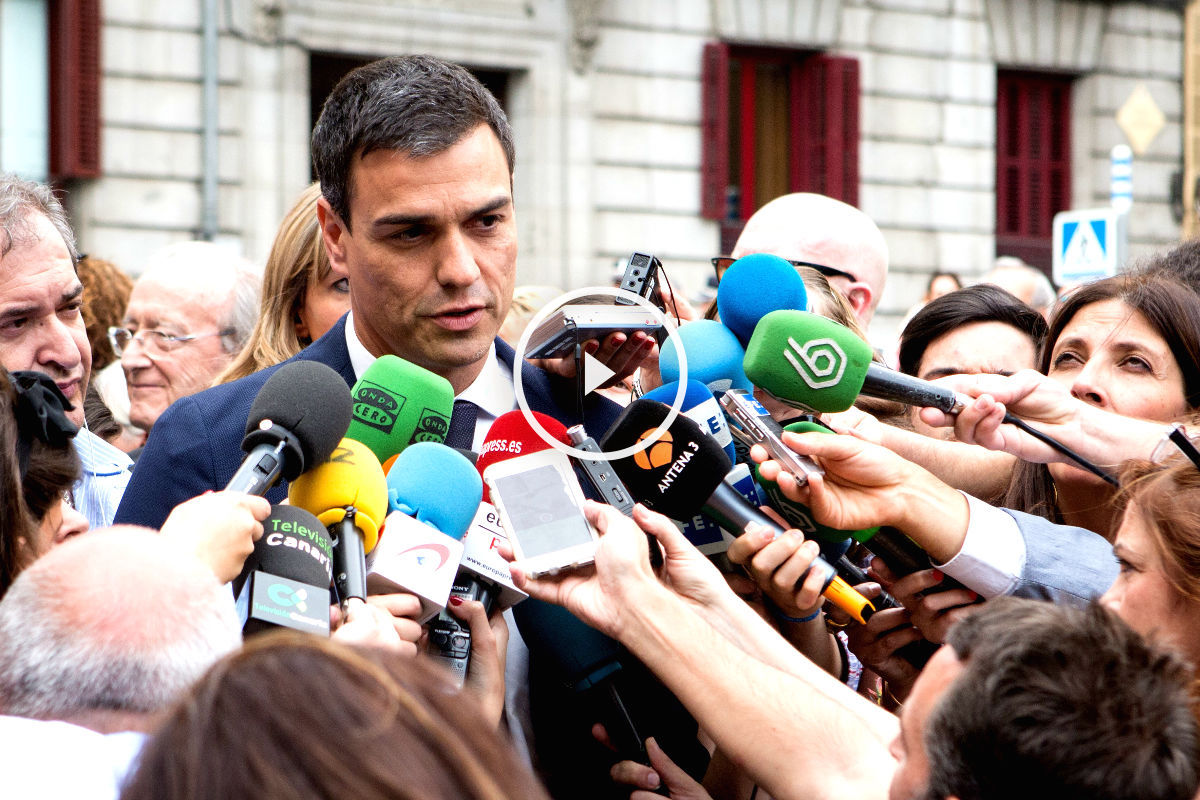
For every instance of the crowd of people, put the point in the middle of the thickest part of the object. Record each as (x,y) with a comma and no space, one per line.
(1044,642)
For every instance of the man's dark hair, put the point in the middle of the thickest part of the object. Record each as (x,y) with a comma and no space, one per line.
(1181,261)
(981,303)
(1061,702)
(418,105)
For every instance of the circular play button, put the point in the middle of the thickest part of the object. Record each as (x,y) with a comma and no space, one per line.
(593,369)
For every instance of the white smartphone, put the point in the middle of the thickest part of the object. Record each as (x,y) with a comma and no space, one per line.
(541,508)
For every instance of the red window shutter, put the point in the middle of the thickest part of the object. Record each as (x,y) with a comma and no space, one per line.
(824,155)
(1033,167)
(74,89)
(714,127)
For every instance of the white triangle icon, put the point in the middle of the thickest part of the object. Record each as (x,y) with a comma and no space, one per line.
(594,373)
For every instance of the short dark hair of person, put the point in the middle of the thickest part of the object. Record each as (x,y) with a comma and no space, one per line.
(981,303)
(1061,702)
(418,105)
(298,717)
(1181,261)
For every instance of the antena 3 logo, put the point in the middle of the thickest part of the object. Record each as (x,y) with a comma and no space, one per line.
(657,454)
(820,362)
(376,406)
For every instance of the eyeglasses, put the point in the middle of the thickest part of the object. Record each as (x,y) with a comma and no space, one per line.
(154,341)
(1177,437)
(721,263)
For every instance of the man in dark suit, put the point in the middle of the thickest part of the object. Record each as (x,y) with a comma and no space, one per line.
(415,161)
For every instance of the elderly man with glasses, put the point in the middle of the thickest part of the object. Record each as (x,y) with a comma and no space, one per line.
(835,239)
(188,316)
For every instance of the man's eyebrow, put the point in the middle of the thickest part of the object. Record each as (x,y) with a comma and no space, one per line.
(494,204)
(941,372)
(15,312)
(72,293)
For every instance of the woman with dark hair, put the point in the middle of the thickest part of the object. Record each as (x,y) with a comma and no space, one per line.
(297,717)
(1128,344)
(38,466)
(977,329)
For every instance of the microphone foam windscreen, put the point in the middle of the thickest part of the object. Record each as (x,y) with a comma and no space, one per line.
(436,485)
(511,435)
(754,286)
(678,472)
(351,477)
(311,401)
(397,403)
(808,360)
(714,356)
(295,545)
(700,406)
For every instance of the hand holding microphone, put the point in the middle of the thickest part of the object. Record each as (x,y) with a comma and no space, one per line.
(817,364)
(220,528)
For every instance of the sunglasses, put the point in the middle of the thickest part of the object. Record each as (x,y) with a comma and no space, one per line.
(721,263)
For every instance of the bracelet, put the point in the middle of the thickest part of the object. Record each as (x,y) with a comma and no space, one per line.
(779,615)
(835,626)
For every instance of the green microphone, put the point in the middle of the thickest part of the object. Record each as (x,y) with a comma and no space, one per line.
(397,403)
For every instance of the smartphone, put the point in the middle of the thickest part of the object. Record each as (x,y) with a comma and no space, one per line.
(541,507)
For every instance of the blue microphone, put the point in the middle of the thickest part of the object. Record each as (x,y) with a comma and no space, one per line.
(754,286)
(437,485)
(714,356)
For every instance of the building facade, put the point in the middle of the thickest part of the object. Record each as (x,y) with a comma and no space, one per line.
(960,126)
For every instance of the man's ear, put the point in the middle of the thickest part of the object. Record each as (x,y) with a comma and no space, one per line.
(333,229)
(859,297)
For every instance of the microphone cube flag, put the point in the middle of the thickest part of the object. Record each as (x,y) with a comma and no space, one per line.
(481,556)
(415,558)
(807,360)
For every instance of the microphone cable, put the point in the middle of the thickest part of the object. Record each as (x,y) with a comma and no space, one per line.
(1058,446)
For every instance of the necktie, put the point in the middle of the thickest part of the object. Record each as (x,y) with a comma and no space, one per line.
(462,425)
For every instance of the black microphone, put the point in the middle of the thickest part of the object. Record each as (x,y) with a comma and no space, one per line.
(297,418)
(684,469)
(285,582)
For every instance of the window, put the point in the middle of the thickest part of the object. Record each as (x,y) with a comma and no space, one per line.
(775,121)
(1033,162)
(74,89)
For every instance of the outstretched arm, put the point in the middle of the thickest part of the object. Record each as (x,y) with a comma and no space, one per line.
(799,735)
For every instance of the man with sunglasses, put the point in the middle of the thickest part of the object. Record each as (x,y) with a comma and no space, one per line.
(835,239)
(188,316)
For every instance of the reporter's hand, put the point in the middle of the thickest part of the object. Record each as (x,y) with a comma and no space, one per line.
(619,352)
(661,772)
(860,484)
(400,611)
(370,624)
(776,565)
(933,612)
(875,644)
(602,595)
(1028,394)
(489,648)
(220,528)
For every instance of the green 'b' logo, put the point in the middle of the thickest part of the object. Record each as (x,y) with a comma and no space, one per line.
(820,362)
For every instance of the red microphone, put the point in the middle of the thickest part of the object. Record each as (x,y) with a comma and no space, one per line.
(511,435)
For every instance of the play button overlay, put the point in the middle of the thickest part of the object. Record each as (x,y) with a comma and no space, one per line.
(594,373)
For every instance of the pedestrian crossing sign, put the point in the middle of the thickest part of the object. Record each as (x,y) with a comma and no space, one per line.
(1088,245)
